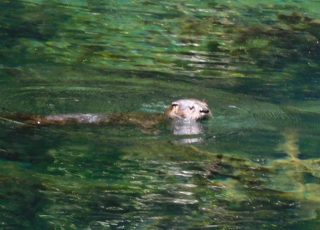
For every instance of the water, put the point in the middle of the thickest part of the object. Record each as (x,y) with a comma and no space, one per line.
(257,66)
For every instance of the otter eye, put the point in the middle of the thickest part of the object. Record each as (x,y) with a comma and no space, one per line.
(191,107)
(174,104)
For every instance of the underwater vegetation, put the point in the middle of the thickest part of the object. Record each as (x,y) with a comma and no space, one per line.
(151,184)
(265,44)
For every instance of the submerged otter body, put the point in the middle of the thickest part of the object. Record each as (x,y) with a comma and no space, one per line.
(184,113)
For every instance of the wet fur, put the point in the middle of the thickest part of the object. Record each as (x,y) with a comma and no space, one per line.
(185,109)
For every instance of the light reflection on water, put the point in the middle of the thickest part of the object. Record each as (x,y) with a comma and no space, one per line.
(255,64)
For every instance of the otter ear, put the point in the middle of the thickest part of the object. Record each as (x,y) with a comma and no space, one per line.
(205,102)
(173,104)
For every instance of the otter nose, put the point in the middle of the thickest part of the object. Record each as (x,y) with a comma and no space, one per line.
(204,111)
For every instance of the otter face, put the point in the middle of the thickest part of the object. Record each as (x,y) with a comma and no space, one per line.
(188,109)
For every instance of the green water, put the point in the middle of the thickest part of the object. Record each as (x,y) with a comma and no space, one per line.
(257,66)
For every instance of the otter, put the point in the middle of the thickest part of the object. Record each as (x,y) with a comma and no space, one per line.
(188,109)
(185,114)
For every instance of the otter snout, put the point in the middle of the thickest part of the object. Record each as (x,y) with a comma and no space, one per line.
(204,111)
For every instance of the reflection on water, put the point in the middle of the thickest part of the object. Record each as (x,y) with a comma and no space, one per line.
(191,130)
(257,66)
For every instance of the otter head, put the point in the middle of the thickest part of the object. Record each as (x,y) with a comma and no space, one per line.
(188,109)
